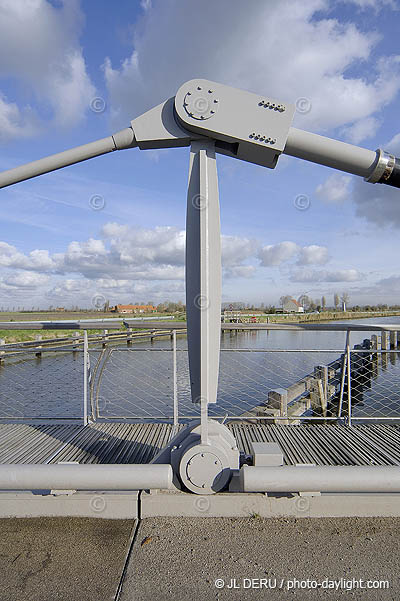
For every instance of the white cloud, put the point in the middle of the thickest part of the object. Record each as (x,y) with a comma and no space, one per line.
(39,260)
(313,255)
(15,122)
(235,249)
(335,189)
(275,254)
(362,130)
(393,145)
(240,271)
(24,279)
(377,203)
(375,4)
(295,51)
(39,48)
(308,275)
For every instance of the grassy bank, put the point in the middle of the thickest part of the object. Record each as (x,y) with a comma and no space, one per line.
(329,316)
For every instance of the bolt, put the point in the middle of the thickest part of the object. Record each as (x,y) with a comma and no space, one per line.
(261,103)
(210,91)
(190,114)
(189,94)
(202,455)
(216,100)
(212,112)
(216,462)
(201,116)
(199,87)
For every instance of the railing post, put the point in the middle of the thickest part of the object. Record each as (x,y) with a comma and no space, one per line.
(343,376)
(129,336)
(321,373)
(105,338)
(85,378)
(349,378)
(278,399)
(38,355)
(176,414)
(2,353)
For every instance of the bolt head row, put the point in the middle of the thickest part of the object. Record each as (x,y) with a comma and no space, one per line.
(262,138)
(271,105)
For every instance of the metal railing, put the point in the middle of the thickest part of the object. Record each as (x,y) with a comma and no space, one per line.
(89,382)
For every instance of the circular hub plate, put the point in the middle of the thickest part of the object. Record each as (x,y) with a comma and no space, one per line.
(203,469)
(200,103)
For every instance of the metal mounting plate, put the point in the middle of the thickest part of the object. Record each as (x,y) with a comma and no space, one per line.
(254,128)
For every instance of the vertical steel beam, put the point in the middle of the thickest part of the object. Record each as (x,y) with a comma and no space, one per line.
(203,277)
(176,418)
(85,377)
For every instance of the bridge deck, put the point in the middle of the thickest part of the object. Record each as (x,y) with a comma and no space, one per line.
(372,444)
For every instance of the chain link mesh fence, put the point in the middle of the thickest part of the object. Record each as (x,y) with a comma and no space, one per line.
(281,385)
(41,385)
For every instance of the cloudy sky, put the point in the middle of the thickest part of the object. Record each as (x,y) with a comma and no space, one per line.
(114,227)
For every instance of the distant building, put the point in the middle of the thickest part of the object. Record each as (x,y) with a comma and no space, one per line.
(292,306)
(60,309)
(134,309)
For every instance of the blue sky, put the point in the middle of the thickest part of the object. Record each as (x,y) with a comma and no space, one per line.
(59,248)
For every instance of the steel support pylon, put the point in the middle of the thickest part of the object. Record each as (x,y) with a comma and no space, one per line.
(203,277)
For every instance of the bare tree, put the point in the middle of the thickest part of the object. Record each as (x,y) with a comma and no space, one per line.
(284,299)
(323,303)
(345,299)
(336,300)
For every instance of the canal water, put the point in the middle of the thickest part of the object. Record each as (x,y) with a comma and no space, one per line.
(138,381)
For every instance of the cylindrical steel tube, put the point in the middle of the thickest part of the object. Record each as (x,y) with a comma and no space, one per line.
(85,477)
(326,478)
(332,153)
(122,139)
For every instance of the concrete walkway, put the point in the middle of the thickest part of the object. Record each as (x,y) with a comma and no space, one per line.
(187,559)
(71,559)
(191,559)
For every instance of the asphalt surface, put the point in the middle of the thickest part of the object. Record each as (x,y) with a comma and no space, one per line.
(187,559)
(71,559)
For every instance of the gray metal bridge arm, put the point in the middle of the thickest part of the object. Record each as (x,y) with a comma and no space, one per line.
(118,141)
(203,276)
